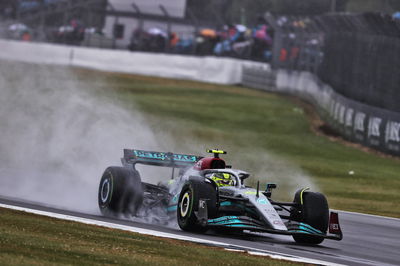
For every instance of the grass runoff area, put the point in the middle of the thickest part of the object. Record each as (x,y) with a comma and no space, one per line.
(28,239)
(250,123)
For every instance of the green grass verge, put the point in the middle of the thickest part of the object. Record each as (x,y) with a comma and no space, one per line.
(267,134)
(28,239)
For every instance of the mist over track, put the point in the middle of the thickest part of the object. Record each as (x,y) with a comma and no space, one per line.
(57,136)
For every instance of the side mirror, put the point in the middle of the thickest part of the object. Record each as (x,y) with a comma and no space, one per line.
(268,190)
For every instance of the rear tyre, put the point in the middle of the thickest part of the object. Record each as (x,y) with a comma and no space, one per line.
(315,212)
(188,204)
(120,192)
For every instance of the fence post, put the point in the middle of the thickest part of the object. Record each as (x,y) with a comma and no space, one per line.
(166,14)
(195,21)
(140,20)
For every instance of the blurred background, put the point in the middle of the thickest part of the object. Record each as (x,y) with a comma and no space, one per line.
(241,28)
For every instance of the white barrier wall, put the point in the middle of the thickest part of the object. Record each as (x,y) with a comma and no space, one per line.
(207,69)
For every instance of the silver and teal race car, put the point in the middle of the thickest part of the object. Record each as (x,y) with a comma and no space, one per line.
(204,193)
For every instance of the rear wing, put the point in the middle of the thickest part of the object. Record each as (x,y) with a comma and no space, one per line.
(166,159)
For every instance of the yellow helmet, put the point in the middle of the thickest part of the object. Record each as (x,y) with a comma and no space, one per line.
(223,179)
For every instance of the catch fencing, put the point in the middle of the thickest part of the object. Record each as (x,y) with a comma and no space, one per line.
(348,66)
(358,55)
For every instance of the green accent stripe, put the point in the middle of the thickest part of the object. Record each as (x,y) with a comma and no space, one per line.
(306,229)
(241,225)
(172,208)
(309,228)
(301,231)
(223,218)
(301,194)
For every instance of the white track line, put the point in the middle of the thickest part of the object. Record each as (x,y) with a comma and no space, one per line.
(249,250)
(367,214)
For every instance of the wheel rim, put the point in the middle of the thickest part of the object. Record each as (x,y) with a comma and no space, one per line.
(105,190)
(184,206)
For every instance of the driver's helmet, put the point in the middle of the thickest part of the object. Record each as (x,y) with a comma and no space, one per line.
(223,179)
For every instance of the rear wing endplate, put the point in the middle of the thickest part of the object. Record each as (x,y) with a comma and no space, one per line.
(166,159)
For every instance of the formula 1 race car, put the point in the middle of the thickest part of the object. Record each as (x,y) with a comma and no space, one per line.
(206,193)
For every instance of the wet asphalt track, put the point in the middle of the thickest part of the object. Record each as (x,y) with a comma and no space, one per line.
(368,240)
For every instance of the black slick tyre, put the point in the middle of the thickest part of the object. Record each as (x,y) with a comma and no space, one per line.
(120,192)
(315,212)
(188,204)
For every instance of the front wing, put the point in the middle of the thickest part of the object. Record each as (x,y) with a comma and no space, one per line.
(246,223)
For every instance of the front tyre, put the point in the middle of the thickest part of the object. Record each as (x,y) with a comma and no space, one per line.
(120,192)
(188,204)
(315,212)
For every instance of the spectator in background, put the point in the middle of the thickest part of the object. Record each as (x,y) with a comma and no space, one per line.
(173,40)
(26,36)
(157,41)
(262,41)
(223,46)
(205,41)
(72,34)
(241,42)
(139,40)
(184,46)
(396,17)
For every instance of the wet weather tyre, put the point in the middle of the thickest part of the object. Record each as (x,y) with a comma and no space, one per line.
(188,204)
(120,192)
(315,212)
